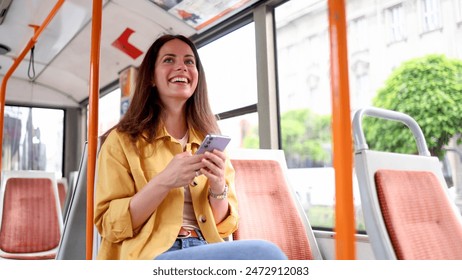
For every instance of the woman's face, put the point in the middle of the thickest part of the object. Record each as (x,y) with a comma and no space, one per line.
(175,73)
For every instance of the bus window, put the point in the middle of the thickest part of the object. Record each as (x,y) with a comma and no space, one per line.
(305,107)
(375,32)
(109,111)
(230,69)
(33,139)
(244,131)
(232,85)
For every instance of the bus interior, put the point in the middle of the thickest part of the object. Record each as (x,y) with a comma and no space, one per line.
(282,83)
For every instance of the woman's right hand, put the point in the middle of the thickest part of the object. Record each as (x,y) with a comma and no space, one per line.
(180,171)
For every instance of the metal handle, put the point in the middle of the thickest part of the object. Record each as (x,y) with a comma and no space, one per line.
(360,140)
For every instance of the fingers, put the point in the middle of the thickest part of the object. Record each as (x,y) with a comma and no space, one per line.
(214,166)
(185,167)
(217,157)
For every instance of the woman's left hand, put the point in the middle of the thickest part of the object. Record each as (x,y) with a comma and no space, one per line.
(214,170)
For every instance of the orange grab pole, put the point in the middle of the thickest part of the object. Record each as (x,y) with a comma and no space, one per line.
(341,130)
(93,121)
(17,61)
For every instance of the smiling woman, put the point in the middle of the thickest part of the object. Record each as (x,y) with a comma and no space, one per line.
(270,84)
(175,75)
(154,196)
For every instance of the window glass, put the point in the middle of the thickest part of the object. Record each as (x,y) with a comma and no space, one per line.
(230,69)
(458,4)
(395,19)
(243,131)
(430,14)
(304,87)
(305,106)
(33,139)
(358,34)
(109,111)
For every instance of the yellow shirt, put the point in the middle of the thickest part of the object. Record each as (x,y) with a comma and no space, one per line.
(122,172)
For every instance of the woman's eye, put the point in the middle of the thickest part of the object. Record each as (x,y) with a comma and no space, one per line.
(190,62)
(168,60)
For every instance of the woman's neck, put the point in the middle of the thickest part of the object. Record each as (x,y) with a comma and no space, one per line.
(175,123)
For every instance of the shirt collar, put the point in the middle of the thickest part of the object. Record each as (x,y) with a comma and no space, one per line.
(194,136)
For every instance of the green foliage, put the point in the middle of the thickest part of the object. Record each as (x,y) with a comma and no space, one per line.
(429,89)
(323,216)
(306,136)
(251,140)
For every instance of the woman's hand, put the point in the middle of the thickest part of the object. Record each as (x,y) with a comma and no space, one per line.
(214,170)
(181,170)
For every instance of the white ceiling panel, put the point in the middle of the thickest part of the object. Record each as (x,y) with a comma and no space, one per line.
(62,52)
(28,93)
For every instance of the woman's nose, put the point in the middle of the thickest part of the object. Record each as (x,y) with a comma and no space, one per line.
(181,66)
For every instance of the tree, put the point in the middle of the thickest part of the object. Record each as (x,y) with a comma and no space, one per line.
(306,138)
(429,89)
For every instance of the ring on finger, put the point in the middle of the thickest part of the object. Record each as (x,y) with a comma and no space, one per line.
(197,174)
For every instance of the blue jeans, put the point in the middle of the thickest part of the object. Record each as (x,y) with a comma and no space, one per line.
(196,249)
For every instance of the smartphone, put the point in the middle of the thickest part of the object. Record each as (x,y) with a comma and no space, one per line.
(212,142)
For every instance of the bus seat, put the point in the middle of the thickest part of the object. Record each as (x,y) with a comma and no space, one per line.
(404,197)
(30,216)
(268,207)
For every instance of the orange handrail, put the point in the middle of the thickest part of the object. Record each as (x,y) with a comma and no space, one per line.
(341,130)
(93,119)
(17,61)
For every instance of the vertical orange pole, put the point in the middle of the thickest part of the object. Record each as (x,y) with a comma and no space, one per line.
(93,119)
(341,130)
(17,61)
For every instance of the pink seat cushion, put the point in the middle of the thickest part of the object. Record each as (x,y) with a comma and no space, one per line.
(266,208)
(29,221)
(418,215)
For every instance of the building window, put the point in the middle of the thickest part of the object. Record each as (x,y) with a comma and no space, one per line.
(395,23)
(458,4)
(358,34)
(431,16)
(314,48)
(360,96)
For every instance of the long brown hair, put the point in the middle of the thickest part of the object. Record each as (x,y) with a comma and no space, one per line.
(143,117)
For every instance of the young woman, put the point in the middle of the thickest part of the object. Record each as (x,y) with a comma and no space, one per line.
(154,197)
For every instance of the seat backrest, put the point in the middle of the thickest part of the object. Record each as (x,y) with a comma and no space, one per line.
(406,206)
(30,216)
(268,207)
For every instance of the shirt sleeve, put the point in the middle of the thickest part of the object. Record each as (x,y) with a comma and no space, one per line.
(114,190)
